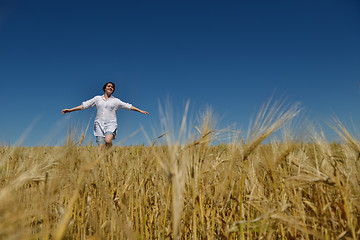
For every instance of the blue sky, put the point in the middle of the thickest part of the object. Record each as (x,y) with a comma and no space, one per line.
(230,55)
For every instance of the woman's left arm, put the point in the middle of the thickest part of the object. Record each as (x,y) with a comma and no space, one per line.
(138,110)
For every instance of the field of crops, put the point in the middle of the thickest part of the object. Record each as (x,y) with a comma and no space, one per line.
(288,189)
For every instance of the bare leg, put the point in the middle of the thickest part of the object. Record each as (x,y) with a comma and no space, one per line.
(102,147)
(108,140)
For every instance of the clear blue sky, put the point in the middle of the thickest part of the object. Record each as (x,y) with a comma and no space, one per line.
(231,55)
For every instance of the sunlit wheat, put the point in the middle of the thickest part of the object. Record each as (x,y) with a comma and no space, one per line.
(183,186)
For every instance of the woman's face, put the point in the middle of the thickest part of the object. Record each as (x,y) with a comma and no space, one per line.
(109,88)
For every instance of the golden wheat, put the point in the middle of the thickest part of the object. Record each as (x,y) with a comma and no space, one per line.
(287,189)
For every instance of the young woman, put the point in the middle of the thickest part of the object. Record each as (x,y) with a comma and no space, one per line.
(105,125)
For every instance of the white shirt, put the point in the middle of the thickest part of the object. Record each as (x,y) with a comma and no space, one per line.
(105,120)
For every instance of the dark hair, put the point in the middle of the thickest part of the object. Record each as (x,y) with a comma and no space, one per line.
(107,84)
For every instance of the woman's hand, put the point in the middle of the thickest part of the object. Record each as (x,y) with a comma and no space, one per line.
(144,112)
(65,111)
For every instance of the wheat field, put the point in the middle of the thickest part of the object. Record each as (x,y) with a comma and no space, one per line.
(244,189)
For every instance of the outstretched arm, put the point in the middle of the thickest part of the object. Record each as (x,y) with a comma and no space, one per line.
(72,109)
(138,110)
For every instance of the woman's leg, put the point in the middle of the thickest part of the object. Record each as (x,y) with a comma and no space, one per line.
(101,142)
(108,140)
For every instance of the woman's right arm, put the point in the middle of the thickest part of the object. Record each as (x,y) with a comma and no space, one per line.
(87,104)
(72,109)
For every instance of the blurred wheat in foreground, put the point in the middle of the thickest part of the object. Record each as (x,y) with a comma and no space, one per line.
(289,189)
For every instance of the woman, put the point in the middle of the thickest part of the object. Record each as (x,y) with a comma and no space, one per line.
(105,125)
